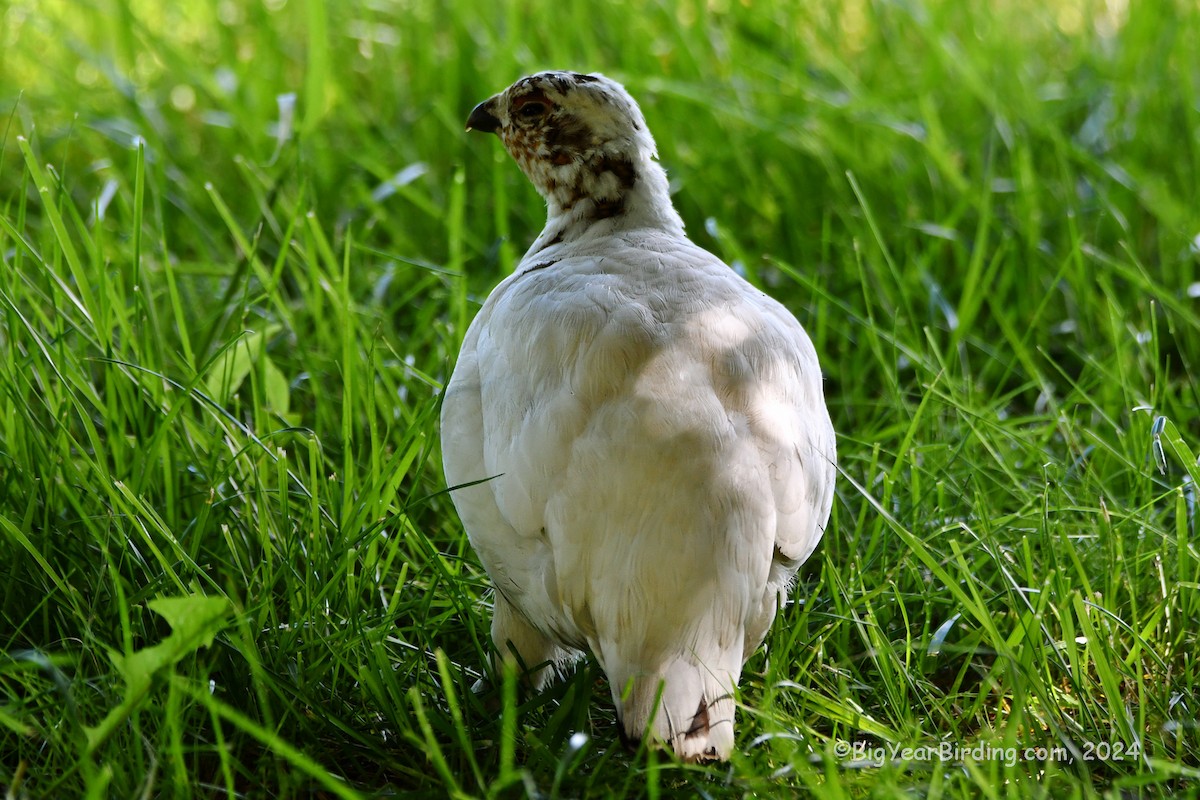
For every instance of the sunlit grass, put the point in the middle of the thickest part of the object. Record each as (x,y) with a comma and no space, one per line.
(241,243)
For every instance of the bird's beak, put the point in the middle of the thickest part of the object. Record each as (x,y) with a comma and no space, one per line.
(482,118)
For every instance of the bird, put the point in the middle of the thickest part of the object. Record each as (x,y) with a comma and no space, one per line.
(635,438)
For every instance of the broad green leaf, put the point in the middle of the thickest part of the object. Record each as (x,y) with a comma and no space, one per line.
(229,371)
(194,621)
(276,390)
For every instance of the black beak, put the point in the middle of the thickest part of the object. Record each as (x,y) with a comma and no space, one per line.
(482,119)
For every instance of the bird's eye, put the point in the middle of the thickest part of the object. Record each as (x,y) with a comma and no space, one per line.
(532,109)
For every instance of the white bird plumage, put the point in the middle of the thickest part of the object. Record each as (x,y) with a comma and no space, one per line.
(645,433)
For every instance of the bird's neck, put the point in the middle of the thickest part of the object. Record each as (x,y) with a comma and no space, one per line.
(607,195)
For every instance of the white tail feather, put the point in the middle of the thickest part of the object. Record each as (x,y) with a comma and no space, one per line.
(685,706)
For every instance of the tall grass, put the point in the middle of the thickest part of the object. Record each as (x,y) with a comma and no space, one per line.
(241,243)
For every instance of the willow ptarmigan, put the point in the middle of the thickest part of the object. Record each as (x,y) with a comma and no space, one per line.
(640,435)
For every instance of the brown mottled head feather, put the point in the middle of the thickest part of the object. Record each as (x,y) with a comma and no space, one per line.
(582,141)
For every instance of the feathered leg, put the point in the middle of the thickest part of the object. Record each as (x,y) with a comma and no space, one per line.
(520,643)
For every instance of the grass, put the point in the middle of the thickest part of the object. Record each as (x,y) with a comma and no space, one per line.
(241,243)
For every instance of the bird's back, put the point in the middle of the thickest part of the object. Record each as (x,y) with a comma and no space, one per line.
(663,462)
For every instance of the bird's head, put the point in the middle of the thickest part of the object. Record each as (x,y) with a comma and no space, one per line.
(581,140)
